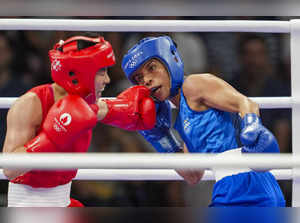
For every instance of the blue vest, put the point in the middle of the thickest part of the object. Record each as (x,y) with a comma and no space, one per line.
(215,131)
(209,131)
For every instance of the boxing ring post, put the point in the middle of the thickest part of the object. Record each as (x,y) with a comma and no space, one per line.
(295,93)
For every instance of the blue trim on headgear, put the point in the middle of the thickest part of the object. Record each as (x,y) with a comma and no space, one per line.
(162,48)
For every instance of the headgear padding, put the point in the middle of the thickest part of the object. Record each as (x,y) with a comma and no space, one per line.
(75,62)
(162,48)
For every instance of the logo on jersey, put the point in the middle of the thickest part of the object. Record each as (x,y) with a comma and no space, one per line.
(186,124)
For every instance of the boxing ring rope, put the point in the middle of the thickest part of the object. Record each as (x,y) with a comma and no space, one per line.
(290,162)
(149,175)
(154,175)
(146,161)
(264,102)
(146,25)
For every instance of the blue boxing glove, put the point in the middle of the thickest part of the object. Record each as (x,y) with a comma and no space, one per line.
(161,137)
(255,137)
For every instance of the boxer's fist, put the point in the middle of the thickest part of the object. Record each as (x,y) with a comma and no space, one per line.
(161,136)
(66,120)
(133,110)
(255,137)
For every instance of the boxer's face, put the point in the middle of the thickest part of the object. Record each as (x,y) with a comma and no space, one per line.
(101,80)
(153,75)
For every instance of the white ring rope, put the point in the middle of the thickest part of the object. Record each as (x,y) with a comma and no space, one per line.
(147,25)
(146,161)
(264,102)
(154,175)
(149,175)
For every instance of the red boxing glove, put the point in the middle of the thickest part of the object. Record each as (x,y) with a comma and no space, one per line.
(132,110)
(65,121)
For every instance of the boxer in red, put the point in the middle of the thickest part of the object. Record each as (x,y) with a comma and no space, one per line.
(59,117)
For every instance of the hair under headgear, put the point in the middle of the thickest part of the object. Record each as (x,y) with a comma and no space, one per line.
(162,48)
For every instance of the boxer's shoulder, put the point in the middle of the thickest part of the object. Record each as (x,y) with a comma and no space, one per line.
(26,109)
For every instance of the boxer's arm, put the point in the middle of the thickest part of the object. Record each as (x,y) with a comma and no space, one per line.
(132,110)
(192,177)
(23,121)
(161,136)
(216,93)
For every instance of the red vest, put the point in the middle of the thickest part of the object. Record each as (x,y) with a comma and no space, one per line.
(53,178)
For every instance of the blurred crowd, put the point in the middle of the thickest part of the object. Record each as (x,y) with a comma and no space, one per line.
(256,64)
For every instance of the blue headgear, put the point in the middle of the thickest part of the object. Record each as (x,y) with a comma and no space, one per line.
(162,48)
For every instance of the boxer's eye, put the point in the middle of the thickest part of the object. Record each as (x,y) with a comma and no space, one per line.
(138,78)
(152,67)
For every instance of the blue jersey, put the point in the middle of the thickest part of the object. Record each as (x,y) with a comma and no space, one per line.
(209,131)
(215,131)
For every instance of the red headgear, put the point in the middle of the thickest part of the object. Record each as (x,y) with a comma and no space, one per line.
(74,67)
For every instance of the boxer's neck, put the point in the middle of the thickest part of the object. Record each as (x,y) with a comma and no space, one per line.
(58,92)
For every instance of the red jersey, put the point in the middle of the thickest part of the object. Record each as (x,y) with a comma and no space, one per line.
(53,178)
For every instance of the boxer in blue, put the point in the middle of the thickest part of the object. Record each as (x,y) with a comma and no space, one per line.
(213,118)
